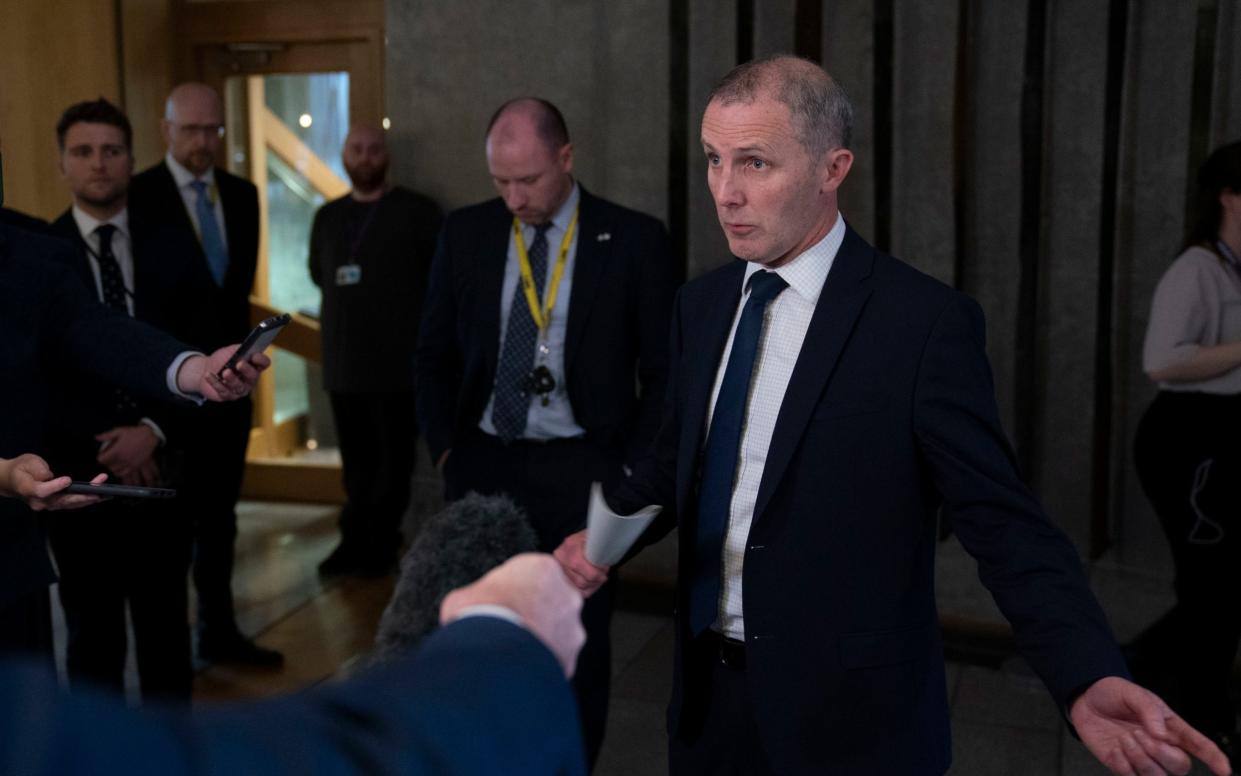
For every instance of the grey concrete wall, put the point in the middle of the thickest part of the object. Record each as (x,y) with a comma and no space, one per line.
(605,65)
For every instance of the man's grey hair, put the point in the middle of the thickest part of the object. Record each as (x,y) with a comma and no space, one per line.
(822,113)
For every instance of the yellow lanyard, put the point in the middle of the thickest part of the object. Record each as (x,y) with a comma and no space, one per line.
(542,317)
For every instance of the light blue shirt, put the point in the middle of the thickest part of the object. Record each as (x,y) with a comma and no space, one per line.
(556,420)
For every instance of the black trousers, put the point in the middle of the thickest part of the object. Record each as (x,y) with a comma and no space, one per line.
(1188,457)
(215,460)
(551,482)
(26,627)
(116,553)
(377,434)
(718,735)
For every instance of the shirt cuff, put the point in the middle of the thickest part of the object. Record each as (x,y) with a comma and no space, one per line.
(491,610)
(171,377)
(155,429)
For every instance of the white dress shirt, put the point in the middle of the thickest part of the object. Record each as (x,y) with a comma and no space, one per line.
(184,178)
(787,319)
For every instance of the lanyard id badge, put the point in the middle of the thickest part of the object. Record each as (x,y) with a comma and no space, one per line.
(541,382)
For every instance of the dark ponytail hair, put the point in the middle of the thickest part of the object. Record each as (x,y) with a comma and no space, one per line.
(1221,171)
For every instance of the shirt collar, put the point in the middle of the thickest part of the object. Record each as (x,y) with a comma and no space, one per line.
(87,224)
(184,177)
(807,272)
(561,218)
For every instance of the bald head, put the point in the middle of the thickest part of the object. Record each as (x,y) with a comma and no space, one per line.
(365,157)
(193,126)
(526,115)
(530,158)
(821,112)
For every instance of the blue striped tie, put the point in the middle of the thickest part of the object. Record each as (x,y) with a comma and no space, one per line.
(209,231)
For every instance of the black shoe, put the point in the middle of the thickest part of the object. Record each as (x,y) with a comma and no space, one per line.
(238,650)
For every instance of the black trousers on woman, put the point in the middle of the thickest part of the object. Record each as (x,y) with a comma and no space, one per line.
(1188,457)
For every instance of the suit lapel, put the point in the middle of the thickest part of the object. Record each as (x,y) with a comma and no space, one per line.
(710,327)
(178,206)
(490,257)
(67,228)
(588,270)
(844,295)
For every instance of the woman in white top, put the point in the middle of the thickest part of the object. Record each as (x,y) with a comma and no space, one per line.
(1188,457)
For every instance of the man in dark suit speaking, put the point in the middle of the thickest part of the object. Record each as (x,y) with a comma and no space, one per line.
(542,354)
(218,214)
(824,401)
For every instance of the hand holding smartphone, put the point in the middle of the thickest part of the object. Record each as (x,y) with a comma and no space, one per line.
(258,340)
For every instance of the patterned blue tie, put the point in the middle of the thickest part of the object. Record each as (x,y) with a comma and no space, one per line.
(719,458)
(209,229)
(113,284)
(512,401)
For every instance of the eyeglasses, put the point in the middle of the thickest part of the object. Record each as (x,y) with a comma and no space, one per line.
(189,130)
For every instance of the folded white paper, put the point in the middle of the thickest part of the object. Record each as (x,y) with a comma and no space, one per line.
(609,535)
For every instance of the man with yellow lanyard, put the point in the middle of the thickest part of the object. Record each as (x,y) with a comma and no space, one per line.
(542,353)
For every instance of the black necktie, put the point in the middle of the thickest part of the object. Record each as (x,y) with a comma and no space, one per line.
(113,285)
(512,400)
(719,458)
(110,279)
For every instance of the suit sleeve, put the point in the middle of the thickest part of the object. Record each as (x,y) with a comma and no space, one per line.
(481,696)
(91,338)
(314,262)
(437,360)
(653,480)
(658,281)
(1029,566)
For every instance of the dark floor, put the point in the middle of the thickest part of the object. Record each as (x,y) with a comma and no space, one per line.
(1003,721)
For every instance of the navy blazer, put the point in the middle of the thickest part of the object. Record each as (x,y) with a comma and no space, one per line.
(154,199)
(616,342)
(53,329)
(889,415)
(479,697)
(162,297)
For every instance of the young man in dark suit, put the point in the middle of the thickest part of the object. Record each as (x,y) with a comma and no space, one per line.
(120,552)
(824,401)
(54,329)
(370,252)
(542,354)
(219,214)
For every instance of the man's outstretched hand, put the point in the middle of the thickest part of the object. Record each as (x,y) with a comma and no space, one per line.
(1134,733)
(199,374)
(585,576)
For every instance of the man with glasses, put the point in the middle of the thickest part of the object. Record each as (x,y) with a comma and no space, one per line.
(219,212)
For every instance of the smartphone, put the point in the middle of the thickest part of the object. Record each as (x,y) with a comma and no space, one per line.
(258,340)
(119,491)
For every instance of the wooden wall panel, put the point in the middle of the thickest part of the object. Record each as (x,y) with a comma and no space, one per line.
(52,53)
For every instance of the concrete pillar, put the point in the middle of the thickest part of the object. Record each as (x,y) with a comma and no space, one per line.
(925,45)
(1068,293)
(1151,196)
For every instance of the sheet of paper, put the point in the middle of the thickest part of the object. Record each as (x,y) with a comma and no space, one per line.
(609,535)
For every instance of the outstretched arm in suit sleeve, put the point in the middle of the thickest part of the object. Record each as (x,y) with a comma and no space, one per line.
(652,481)
(1029,566)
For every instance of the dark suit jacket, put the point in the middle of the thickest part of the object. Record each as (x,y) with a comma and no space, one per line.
(164,280)
(623,283)
(890,413)
(479,697)
(50,321)
(370,329)
(154,199)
